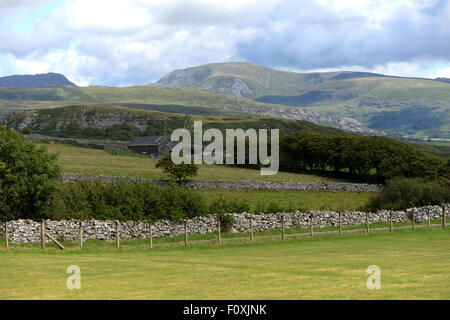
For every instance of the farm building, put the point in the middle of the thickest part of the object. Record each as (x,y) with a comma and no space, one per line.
(155,146)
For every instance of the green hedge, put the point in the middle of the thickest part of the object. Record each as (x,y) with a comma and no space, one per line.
(403,193)
(143,201)
(124,201)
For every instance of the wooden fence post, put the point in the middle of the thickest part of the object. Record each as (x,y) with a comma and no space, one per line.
(6,235)
(251,228)
(117,234)
(81,234)
(340,223)
(219,238)
(311,225)
(429,218)
(391,227)
(413,218)
(185,233)
(150,235)
(367,223)
(443,217)
(282,227)
(43,234)
(54,240)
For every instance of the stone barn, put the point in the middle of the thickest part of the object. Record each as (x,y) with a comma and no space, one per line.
(155,146)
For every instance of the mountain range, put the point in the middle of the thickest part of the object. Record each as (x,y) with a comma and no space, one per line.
(400,106)
(363,102)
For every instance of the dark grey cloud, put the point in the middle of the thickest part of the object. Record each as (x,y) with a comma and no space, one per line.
(314,36)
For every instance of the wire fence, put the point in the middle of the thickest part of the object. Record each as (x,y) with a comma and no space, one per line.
(284,231)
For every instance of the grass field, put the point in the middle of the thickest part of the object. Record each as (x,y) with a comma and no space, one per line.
(294,200)
(414,265)
(98,162)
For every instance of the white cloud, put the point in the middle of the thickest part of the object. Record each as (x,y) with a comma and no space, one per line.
(442,73)
(116,42)
(105,16)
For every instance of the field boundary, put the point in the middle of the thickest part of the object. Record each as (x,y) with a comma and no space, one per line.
(237,184)
(24,231)
(294,235)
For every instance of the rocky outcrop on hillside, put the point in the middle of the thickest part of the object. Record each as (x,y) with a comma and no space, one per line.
(37,80)
(329,119)
(88,118)
(192,77)
(51,122)
(230,85)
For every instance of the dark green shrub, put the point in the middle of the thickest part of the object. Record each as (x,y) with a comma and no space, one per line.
(182,203)
(223,205)
(403,193)
(226,222)
(274,207)
(28,177)
(125,201)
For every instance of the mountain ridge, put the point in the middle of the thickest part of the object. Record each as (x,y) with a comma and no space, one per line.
(50,79)
(158,95)
(369,98)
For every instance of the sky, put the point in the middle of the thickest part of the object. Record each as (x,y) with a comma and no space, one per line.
(136,42)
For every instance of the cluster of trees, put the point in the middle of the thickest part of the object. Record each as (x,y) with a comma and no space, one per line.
(359,157)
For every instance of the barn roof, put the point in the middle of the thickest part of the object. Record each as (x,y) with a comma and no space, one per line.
(149,141)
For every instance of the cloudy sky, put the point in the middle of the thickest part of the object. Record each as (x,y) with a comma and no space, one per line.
(135,42)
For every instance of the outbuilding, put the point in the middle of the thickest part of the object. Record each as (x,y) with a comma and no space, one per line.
(155,146)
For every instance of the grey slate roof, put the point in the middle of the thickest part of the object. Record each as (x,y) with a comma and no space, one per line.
(149,141)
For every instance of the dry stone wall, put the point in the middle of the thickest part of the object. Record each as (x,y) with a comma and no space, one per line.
(23,231)
(241,185)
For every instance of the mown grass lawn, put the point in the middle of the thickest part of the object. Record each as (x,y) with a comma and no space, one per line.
(98,162)
(414,265)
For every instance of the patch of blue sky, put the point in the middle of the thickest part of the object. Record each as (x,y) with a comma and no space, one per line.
(28,22)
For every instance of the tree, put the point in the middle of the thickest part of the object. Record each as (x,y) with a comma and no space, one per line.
(177,172)
(364,158)
(28,177)
(444,172)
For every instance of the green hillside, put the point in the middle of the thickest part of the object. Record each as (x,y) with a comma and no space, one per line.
(259,80)
(399,106)
(96,162)
(146,94)
(121,123)
(403,107)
